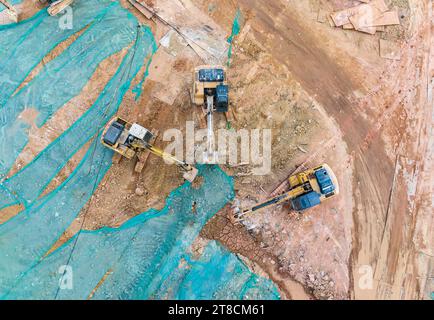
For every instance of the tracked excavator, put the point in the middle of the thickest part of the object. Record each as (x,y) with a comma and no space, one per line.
(130,139)
(10,10)
(306,190)
(56,6)
(211,91)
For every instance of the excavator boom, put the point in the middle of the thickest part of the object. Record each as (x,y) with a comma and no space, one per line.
(190,172)
(210,90)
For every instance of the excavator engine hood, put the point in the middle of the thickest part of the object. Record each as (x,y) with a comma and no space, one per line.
(324,181)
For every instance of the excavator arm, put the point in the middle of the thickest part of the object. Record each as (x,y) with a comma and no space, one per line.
(271,202)
(190,172)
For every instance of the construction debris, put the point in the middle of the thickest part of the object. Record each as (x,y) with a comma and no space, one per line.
(201,33)
(173,43)
(366,17)
(143,10)
(301,149)
(11,12)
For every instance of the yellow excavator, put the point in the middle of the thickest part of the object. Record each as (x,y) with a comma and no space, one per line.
(10,10)
(211,91)
(56,6)
(306,190)
(131,139)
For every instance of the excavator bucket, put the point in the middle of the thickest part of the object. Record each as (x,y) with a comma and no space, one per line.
(58,6)
(191,174)
(234,212)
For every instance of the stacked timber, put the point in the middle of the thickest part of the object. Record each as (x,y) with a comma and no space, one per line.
(368,17)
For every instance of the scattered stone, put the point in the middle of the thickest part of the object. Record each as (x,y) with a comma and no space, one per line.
(139,191)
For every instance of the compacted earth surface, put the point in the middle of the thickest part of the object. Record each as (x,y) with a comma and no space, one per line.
(328,97)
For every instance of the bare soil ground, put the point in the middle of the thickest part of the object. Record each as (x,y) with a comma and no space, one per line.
(328,97)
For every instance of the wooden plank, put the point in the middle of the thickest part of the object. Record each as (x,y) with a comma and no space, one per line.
(330,20)
(363,19)
(341,18)
(10,13)
(148,14)
(57,7)
(359,13)
(388,18)
(379,19)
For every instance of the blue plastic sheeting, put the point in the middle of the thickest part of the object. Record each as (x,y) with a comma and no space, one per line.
(217,274)
(62,79)
(27,237)
(23,233)
(146,257)
(31,40)
(136,252)
(30,182)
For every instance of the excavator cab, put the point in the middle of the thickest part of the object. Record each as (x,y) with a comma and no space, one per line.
(125,138)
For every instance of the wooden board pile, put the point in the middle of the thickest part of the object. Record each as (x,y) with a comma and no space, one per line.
(368,17)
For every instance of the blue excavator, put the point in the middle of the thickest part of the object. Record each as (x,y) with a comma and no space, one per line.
(306,190)
(211,91)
